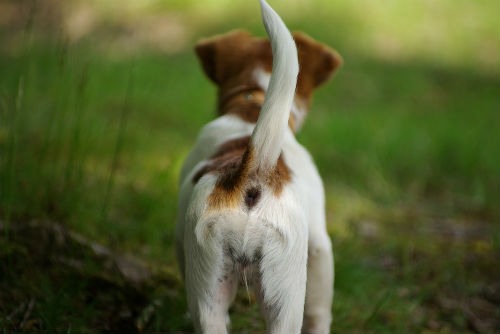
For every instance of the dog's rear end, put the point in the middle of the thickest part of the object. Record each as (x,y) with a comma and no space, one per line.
(243,213)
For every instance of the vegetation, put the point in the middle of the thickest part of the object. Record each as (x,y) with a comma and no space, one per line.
(100,103)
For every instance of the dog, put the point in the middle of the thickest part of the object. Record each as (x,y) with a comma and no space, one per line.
(251,203)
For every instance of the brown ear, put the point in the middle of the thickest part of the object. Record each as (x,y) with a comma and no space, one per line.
(216,53)
(317,61)
(205,50)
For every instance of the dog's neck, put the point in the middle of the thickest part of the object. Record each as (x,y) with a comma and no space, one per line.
(245,101)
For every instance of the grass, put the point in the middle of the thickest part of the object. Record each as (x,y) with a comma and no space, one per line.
(92,137)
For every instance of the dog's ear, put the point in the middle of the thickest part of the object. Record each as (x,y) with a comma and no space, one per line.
(206,52)
(317,61)
(219,55)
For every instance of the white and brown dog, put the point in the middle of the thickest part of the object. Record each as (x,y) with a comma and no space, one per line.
(252,202)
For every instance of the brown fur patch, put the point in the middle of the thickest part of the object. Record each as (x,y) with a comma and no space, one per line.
(246,104)
(280,176)
(236,184)
(226,159)
(228,191)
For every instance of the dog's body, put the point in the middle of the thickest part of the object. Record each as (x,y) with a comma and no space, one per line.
(252,202)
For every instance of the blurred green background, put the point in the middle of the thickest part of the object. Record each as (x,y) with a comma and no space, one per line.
(101,100)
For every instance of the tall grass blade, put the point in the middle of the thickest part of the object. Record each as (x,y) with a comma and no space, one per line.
(120,139)
(75,158)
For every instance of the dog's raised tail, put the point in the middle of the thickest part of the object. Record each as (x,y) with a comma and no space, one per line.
(268,135)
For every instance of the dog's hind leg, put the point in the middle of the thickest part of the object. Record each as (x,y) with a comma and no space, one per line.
(211,284)
(282,286)
(212,307)
(320,276)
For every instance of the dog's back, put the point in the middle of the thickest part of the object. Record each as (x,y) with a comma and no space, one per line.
(250,196)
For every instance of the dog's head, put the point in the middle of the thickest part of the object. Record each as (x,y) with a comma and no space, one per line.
(238,62)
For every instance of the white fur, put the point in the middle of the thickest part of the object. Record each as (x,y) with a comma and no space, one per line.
(286,233)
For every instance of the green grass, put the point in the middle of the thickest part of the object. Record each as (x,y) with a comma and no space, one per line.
(405,136)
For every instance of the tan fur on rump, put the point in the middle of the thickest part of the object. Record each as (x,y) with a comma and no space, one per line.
(230,163)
